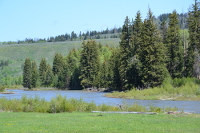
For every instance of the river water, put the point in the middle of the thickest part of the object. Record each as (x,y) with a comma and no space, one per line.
(98,98)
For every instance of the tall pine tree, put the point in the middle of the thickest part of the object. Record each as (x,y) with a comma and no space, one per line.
(105,70)
(63,78)
(49,77)
(58,63)
(194,38)
(152,54)
(125,53)
(134,71)
(115,65)
(175,53)
(136,34)
(163,30)
(27,74)
(73,63)
(35,76)
(89,64)
(42,71)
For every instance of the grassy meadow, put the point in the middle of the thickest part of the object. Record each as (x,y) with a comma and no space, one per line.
(98,123)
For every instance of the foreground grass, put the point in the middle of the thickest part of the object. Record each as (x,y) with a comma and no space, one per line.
(177,89)
(98,123)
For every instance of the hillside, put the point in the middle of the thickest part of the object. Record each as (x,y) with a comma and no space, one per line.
(16,53)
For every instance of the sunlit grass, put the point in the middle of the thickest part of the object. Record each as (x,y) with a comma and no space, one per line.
(98,123)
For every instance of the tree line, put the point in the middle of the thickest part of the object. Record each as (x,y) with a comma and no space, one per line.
(71,37)
(107,33)
(148,54)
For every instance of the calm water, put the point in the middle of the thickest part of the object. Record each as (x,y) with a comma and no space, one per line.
(98,98)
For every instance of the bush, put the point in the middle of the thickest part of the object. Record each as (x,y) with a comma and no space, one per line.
(104,107)
(2,88)
(90,107)
(136,107)
(178,82)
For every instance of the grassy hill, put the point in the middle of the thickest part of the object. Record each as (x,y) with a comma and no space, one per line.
(16,53)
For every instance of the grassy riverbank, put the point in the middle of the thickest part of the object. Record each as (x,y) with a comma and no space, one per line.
(61,104)
(177,89)
(98,123)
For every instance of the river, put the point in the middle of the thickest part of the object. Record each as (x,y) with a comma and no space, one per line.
(98,98)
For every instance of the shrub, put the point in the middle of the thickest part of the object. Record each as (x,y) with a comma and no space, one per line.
(136,107)
(2,88)
(90,107)
(104,107)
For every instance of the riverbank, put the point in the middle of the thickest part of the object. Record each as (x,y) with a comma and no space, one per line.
(61,104)
(97,122)
(151,94)
(156,94)
(178,89)
(173,97)
(19,87)
(7,92)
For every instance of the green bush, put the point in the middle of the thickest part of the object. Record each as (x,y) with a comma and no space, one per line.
(178,82)
(104,107)
(90,107)
(2,88)
(136,107)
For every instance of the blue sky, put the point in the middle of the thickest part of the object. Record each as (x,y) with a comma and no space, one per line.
(20,19)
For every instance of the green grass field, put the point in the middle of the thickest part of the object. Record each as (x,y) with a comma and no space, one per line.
(97,123)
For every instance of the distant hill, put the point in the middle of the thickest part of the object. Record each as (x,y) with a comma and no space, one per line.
(16,53)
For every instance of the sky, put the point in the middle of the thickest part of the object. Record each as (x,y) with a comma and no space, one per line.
(20,19)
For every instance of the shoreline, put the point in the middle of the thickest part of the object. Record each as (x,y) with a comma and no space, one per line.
(7,92)
(161,98)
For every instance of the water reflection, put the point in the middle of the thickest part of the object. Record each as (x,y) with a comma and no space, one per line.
(98,98)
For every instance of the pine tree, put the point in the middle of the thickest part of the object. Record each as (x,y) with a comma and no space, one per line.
(89,64)
(58,63)
(115,65)
(35,75)
(27,74)
(63,78)
(125,53)
(73,63)
(73,60)
(152,54)
(134,68)
(174,47)
(105,70)
(49,76)
(194,41)
(136,34)
(42,71)
(163,30)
